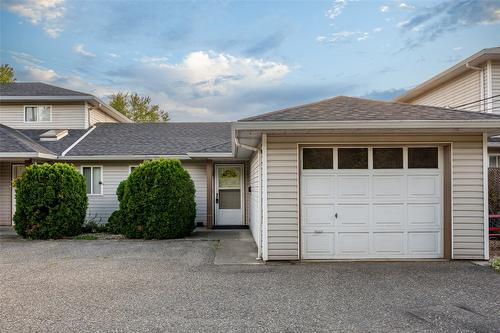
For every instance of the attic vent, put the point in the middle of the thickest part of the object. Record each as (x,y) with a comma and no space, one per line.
(53,135)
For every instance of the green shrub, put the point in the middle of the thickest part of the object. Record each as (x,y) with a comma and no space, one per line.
(496,264)
(156,202)
(51,201)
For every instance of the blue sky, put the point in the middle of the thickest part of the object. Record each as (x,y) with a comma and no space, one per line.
(224,60)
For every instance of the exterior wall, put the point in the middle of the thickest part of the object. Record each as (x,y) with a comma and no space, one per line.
(64,116)
(5,193)
(97,116)
(462,89)
(255,210)
(102,206)
(283,189)
(495,85)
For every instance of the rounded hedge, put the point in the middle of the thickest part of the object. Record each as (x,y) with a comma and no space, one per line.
(51,201)
(156,202)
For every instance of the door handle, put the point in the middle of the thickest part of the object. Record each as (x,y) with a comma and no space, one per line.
(318,231)
(217,198)
(336,215)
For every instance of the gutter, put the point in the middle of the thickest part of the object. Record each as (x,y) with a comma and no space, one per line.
(122,157)
(28,155)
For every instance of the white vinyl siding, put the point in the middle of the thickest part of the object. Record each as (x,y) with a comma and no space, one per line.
(64,116)
(97,116)
(495,85)
(5,193)
(255,197)
(102,206)
(463,89)
(467,191)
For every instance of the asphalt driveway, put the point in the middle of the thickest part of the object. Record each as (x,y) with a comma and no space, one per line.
(100,286)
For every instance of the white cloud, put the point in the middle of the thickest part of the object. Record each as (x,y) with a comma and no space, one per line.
(458,48)
(336,10)
(406,6)
(377,29)
(80,49)
(23,58)
(113,55)
(343,36)
(38,73)
(384,9)
(46,13)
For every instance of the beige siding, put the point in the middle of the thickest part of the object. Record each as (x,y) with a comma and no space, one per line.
(98,116)
(255,197)
(495,85)
(462,89)
(64,116)
(5,193)
(102,206)
(283,222)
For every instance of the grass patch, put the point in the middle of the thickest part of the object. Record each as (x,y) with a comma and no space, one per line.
(85,237)
(495,263)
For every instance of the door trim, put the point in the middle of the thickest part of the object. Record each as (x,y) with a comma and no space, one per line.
(12,189)
(242,191)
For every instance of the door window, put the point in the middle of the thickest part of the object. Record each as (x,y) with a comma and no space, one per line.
(229,187)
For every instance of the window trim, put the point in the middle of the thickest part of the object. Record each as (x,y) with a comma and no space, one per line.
(37,121)
(497,160)
(132,166)
(92,166)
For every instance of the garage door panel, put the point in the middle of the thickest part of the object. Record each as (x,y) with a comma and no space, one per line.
(353,215)
(389,215)
(424,244)
(424,215)
(388,187)
(389,243)
(317,215)
(318,245)
(315,187)
(423,186)
(353,243)
(353,187)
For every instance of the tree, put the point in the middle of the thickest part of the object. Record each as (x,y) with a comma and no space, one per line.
(138,108)
(6,74)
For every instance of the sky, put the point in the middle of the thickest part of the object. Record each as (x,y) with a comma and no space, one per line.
(226,60)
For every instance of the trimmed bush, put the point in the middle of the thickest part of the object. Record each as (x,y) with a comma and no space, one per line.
(51,201)
(156,202)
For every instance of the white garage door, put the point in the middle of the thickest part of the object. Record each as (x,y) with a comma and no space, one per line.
(371,202)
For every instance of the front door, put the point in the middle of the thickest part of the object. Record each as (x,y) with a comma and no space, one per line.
(17,171)
(228,195)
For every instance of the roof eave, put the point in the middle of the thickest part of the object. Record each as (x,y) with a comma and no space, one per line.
(28,155)
(121,157)
(454,71)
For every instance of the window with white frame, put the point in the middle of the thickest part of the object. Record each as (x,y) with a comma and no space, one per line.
(131,168)
(494,161)
(93,179)
(37,113)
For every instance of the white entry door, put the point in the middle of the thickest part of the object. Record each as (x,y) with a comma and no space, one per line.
(17,171)
(228,195)
(369,203)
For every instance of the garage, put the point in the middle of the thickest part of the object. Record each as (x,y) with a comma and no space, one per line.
(375,202)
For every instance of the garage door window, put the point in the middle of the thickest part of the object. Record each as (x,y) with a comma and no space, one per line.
(318,158)
(388,158)
(423,158)
(353,158)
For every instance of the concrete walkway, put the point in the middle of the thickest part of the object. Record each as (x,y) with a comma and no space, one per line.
(8,232)
(234,247)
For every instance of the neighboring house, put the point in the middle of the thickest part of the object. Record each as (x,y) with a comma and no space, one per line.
(343,178)
(472,85)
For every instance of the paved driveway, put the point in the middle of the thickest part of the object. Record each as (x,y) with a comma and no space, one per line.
(98,286)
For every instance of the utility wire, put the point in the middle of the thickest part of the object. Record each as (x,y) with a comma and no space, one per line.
(480,100)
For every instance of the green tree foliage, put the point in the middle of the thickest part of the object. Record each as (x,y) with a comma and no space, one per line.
(138,108)
(6,74)
(156,202)
(51,201)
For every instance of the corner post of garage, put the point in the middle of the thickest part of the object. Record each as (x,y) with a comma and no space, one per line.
(265,252)
(485,197)
(210,171)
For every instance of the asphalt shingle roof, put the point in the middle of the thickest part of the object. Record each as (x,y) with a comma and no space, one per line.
(13,141)
(344,108)
(36,89)
(56,146)
(154,139)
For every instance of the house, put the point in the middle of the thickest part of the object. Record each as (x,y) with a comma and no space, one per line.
(342,178)
(472,85)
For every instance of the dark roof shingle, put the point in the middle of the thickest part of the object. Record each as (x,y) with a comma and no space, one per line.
(58,146)
(344,108)
(36,89)
(154,139)
(13,141)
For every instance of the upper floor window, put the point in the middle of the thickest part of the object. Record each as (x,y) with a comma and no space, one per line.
(37,113)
